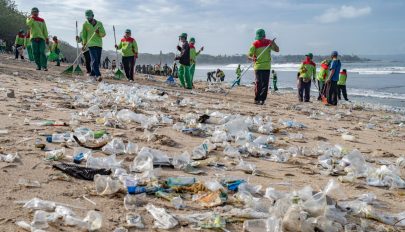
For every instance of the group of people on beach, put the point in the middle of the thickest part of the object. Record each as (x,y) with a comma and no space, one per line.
(330,81)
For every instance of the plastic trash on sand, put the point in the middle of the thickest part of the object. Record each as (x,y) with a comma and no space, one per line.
(142,163)
(213,185)
(29,183)
(270,224)
(264,140)
(245,166)
(38,204)
(316,205)
(55,155)
(291,124)
(94,220)
(163,220)
(105,185)
(159,157)
(133,202)
(348,137)
(231,151)
(177,203)
(41,219)
(219,136)
(212,199)
(103,162)
(180,181)
(114,147)
(355,164)
(9,158)
(181,161)
(386,176)
(80,172)
(134,220)
(131,148)
(215,222)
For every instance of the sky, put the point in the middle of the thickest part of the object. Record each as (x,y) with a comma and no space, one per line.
(228,26)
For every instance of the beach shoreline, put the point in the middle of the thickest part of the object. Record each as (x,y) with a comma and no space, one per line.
(48,95)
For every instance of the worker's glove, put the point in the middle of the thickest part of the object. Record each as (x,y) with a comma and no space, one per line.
(116,46)
(77,39)
(136,55)
(178,48)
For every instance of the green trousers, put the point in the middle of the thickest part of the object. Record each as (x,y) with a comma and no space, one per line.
(275,84)
(30,53)
(38,49)
(192,71)
(184,76)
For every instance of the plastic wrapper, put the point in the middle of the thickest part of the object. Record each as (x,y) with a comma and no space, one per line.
(55,155)
(213,185)
(94,220)
(181,161)
(180,181)
(163,220)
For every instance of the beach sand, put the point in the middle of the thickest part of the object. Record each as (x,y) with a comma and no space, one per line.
(376,144)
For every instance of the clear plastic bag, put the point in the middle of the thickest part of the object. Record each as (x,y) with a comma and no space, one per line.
(94,220)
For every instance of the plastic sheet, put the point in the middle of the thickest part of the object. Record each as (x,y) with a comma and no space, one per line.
(114,147)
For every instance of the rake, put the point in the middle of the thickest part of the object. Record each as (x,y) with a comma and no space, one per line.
(118,74)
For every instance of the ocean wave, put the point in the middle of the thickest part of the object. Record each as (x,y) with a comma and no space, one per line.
(376,94)
(293,67)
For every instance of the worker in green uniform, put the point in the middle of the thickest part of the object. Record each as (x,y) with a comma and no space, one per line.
(55,48)
(306,71)
(19,44)
(322,75)
(39,38)
(260,54)
(238,74)
(193,57)
(342,85)
(92,37)
(129,51)
(274,80)
(184,60)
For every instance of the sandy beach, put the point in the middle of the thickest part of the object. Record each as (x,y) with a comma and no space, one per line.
(378,135)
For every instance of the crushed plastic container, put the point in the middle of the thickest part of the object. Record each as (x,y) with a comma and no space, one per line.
(114,147)
(163,220)
(105,185)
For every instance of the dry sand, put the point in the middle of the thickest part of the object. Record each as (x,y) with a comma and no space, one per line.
(376,144)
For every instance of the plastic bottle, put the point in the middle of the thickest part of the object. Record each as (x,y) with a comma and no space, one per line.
(58,138)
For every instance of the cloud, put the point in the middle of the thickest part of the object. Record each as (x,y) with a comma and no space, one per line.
(345,12)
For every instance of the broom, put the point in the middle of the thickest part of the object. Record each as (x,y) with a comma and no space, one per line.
(71,68)
(78,70)
(118,74)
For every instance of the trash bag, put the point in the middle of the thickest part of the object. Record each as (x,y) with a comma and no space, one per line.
(80,172)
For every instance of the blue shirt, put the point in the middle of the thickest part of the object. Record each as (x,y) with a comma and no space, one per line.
(335,65)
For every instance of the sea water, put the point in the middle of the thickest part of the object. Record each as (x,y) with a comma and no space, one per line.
(375,82)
